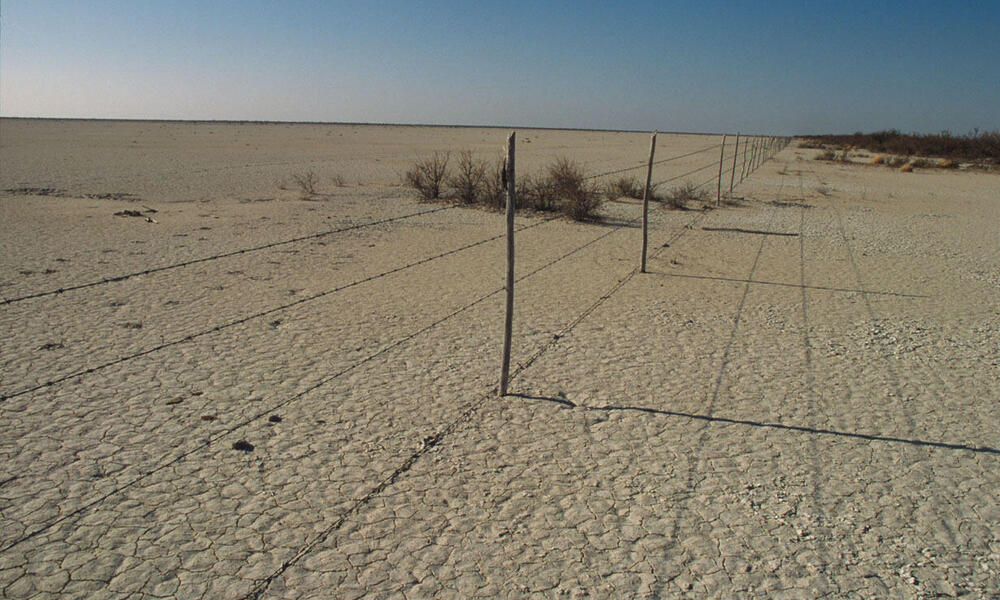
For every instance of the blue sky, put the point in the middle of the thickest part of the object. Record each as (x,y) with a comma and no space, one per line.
(766,67)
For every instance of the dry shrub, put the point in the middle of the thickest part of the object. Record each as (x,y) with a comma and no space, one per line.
(679,197)
(470,181)
(428,176)
(494,190)
(907,168)
(947,164)
(624,187)
(878,160)
(896,161)
(537,192)
(826,155)
(306,183)
(577,197)
(921,163)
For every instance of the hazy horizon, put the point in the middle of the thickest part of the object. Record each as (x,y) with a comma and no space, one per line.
(784,70)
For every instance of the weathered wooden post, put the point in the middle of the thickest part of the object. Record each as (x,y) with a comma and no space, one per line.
(509,318)
(732,175)
(746,151)
(645,204)
(718,187)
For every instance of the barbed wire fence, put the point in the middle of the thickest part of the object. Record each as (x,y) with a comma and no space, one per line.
(761,149)
(755,152)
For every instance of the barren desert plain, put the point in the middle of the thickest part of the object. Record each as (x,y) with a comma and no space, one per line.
(240,393)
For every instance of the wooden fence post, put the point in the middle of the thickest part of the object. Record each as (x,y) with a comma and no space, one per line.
(509,318)
(718,187)
(732,175)
(746,151)
(645,204)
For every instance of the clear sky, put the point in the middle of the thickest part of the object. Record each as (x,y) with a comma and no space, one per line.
(757,66)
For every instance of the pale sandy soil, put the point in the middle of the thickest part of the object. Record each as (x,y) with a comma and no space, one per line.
(763,416)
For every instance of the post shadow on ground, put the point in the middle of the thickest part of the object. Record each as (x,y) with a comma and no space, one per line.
(763,424)
(821,288)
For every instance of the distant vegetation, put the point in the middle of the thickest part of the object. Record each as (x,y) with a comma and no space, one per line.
(974,147)
(562,187)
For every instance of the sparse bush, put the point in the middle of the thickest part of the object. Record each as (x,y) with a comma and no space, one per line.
(338,180)
(537,193)
(494,191)
(306,182)
(679,197)
(878,159)
(578,198)
(624,187)
(921,163)
(947,164)
(470,181)
(429,175)
(826,155)
(896,161)
(907,168)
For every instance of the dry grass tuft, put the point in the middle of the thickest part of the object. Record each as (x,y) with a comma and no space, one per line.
(907,168)
(878,160)
(624,187)
(679,197)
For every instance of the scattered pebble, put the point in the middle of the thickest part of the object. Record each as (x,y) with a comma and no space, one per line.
(274,419)
(176,400)
(207,417)
(243,446)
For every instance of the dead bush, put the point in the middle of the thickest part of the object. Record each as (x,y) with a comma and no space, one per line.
(577,197)
(494,191)
(306,182)
(470,180)
(826,155)
(429,175)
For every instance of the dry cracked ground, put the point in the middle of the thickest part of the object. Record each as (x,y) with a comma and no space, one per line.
(798,400)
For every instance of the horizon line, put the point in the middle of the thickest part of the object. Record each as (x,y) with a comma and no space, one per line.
(387,124)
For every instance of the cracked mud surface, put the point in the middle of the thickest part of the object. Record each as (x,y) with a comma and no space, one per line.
(760,416)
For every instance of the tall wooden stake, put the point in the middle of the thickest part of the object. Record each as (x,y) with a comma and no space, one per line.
(718,187)
(732,176)
(746,151)
(645,204)
(509,319)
